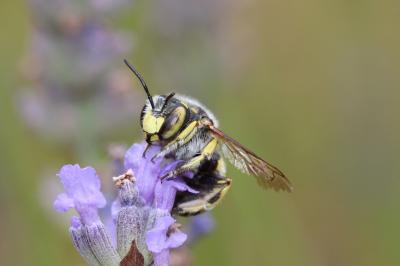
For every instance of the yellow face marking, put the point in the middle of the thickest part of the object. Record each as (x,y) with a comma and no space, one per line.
(154,138)
(152,124)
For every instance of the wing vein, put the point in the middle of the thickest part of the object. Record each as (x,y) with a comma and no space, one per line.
(268,176)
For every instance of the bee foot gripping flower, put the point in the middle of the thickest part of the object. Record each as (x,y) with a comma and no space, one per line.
(141,212)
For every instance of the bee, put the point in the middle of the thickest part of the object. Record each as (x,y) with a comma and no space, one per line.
(187,131)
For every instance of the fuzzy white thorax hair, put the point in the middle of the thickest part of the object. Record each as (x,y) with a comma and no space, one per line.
(194,102)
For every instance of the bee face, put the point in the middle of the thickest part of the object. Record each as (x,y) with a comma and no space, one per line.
(165,120)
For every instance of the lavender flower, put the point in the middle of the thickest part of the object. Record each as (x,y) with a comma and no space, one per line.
(161,234)
(164,235)
(199,226)
(82,192)
(72,65)
(142,210)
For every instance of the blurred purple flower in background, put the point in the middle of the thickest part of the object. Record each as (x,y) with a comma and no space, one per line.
(199,226)
(71,64)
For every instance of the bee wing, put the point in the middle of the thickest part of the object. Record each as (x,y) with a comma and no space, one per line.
(268,176)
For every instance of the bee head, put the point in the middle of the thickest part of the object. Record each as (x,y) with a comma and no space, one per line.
(162,116)
(164,120)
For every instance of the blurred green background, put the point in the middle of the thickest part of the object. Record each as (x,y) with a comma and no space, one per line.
(312,86)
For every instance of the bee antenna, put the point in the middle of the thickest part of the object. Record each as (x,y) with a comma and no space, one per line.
(137,74)
(167,99)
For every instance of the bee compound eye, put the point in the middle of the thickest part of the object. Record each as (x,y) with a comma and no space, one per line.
(173,122)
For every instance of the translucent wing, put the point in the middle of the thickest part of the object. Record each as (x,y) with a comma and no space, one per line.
(268,176)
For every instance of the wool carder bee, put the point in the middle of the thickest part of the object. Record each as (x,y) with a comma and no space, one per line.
(187,131)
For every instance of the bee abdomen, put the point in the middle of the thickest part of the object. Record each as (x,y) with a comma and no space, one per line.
(211,185)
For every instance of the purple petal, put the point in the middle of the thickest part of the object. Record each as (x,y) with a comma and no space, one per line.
(179,185)
(75,222)
(156,238)
(169,167)
(165,192)
(82,185)
(82,191)
(145,171)
(133,156)
(188,174)
(115,208)
(176,239)
(162,258)
(63,203)
(164,195)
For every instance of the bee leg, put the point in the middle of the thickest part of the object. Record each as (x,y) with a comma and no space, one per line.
(145,150)
(195,162)
(188,204)
(184,137)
